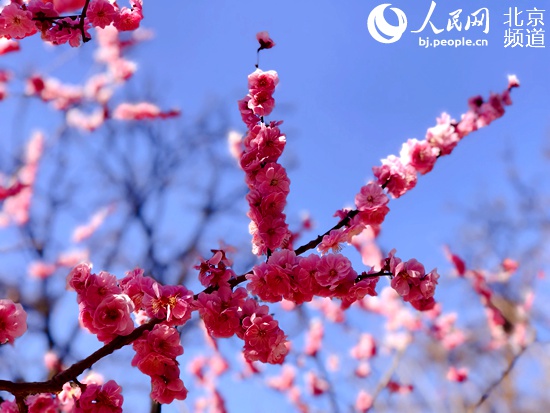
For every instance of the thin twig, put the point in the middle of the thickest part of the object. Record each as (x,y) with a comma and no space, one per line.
(495,384)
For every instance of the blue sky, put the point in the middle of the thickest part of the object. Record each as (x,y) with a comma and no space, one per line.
(348,101)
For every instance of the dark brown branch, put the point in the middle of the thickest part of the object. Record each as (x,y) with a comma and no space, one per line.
(55,384)
(313,243)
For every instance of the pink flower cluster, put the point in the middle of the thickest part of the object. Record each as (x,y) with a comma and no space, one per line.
(226,313)
(13,321)
(106,305)
(104,309)
(399,174)
(298,279)
(268,182)
(411,281)
(156,353)
(216,271)
(97,398)
(22,19)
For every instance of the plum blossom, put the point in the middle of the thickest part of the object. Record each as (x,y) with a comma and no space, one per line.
(97,398)
(101,13)
(265,41)
(13,321)
(15,22)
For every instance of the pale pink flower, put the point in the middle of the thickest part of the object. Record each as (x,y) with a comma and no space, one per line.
(141,111)
(285,380)
(365,348)
(458,375)
(314,338)
(8,45)
(235,144)
(443,136)
(41,269)
(13,321)
(513,81)
(83,232)
(363,369)
(68,396)
(364,402)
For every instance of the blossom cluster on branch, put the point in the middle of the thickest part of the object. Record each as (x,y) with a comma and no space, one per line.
(110,308)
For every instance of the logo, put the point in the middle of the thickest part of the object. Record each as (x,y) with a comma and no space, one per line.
(378,26)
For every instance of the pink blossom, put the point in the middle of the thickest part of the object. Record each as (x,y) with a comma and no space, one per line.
(396,387)
(63,6)
(9,407)
(314,338)
(13,321)
(272,178)
(316,385)
(265,41)
(371,197)
(334,269)
(261,103)
(513,81)
(129,19)
(458,375)
(112,317)
(364,402)
(41,269)
(264,340)
(167,389)
(262,81)
(365,348)
(395,176)
(85,231)
(421,155)
(220,310)
(42,403)
(8,45)
(172,302)
(285,381)
(332,241)
(97,288)
(80,277)
(15,22)
(247,114)
(68,396)
(142,110)
(443,136)
(100,399)
(101,13)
